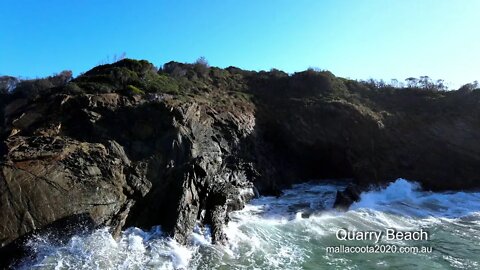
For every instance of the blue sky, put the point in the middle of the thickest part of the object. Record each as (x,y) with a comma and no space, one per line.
(359,39)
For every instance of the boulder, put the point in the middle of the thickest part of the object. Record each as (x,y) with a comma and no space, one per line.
(346,197)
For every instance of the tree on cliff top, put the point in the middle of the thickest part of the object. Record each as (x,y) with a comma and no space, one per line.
(201,66)
(7,84)
(33,88)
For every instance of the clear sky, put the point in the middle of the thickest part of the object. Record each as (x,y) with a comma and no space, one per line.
(359,39)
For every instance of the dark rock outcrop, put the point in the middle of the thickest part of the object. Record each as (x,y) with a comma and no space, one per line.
(344,198)
(130,146)
(123,159)
(49,178)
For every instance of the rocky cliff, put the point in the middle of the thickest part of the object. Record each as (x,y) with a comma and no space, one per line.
(129,145)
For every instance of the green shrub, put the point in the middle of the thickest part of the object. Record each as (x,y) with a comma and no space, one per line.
(117,76)
(131,76)
(317,83)
(73,88)
(134,90)
(163,84)
(32,88)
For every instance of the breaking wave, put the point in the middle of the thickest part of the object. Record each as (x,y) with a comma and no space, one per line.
(292,232)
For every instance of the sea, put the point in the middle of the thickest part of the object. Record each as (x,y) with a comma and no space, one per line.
(297,230)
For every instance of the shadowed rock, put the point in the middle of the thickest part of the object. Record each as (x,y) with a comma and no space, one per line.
(346,197)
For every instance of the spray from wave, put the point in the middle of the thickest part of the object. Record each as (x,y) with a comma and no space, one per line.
(292,232)
(406,198)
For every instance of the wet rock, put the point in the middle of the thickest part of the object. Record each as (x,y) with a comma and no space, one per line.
(217,220)
(346,197)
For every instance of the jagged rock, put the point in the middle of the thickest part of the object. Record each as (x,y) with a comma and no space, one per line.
(46,179)
(346,197)
(26,120)
(221,200)
(217,217)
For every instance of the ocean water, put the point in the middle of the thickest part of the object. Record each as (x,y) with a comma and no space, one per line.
(293,231)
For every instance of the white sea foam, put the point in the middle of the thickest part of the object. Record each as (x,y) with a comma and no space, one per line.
(136,249)
(406,198)
(289,232)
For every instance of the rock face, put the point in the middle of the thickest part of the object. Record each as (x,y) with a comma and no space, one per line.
(61,178)
(347,197)
(101,154)
(376,135)
(209,138)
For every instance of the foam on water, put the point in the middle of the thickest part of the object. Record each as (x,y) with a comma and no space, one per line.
(291,232)
(136,249)
(406,198)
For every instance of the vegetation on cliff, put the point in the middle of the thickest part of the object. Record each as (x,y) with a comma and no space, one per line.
(134,77)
